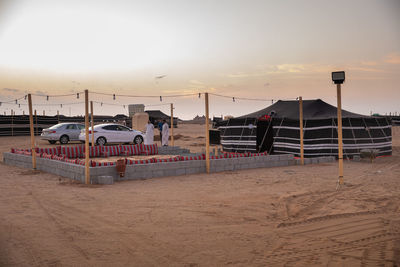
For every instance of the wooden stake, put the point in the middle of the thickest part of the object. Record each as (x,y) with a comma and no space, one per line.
(340,139)
(32,132)
(36,129)
(172,124)
(301,131)
(207,136)
(12,123)
(87,173)
(91,112)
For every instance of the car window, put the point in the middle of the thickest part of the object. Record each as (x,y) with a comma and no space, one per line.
(80,126)
(123,128)
(57,126)
(110,128)
(71,127)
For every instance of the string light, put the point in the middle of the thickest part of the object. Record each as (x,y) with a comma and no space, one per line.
(199,95)
(77,95)
(47,98)
(25,97)
(19,105)
(160,98)
(16,101)
(113,96)
(233,99)
(61,105)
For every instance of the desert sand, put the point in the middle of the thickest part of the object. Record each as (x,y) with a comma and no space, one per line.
(283,216)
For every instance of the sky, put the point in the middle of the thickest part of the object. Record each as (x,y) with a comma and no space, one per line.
(244,49)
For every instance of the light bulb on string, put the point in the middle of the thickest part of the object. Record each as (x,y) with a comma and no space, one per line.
(199,95)
(77,95)
(113,96)
(47,98)
(16,101)
(25,97)
(233,99)
(161,98)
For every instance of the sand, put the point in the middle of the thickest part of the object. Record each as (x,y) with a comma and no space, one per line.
(283,216)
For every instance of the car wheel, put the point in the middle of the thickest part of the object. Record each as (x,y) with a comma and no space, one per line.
(52,142)
(64,139)
(138,139)
(101,141)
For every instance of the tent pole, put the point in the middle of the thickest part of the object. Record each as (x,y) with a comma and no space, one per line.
(207,136)
(172,124)
(87,173)
(301,131)
(340,137)
(91,113)
(32,132)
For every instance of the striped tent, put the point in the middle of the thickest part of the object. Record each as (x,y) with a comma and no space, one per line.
(276,130)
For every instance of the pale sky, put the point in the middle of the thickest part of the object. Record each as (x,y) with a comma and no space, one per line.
(255,49)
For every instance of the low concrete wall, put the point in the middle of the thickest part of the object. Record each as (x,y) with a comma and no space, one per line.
(143,171)
(65,169)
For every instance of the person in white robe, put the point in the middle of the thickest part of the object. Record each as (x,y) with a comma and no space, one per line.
(149,137)
(165,133)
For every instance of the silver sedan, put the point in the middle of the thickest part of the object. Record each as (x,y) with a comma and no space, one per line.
(62,132)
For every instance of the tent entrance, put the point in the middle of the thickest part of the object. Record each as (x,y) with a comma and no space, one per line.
(265,136)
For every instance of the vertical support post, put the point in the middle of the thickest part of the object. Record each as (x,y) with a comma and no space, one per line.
(87,173)
(32,132)
(207,136)
(340,138)
(12,123)
(301,131)
(36,127)
(91,112)
(172,124)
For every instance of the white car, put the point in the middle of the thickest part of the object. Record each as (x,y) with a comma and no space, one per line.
(113,133)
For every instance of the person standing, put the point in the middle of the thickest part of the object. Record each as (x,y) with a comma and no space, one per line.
(149,138)
(160,125)
(165,133)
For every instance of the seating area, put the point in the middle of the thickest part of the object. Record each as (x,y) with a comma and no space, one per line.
(76,154)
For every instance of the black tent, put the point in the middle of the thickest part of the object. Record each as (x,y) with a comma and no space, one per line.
(276,129)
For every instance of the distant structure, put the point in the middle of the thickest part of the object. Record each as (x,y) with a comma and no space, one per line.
(135,108)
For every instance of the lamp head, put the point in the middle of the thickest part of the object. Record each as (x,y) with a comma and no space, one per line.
(338,77)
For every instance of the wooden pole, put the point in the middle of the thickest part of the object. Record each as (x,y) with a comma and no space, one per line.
(172,124)
(12,123)
(301,131)
(87,173)
(36,129)
(91,112)
(32,132)
(207,136)
(340,139)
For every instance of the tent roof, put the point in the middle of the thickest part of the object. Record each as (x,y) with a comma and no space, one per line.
(312,109)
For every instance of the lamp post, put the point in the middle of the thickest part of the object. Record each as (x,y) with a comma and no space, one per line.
(338,78)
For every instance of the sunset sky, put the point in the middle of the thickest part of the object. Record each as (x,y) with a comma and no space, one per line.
(254,49)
